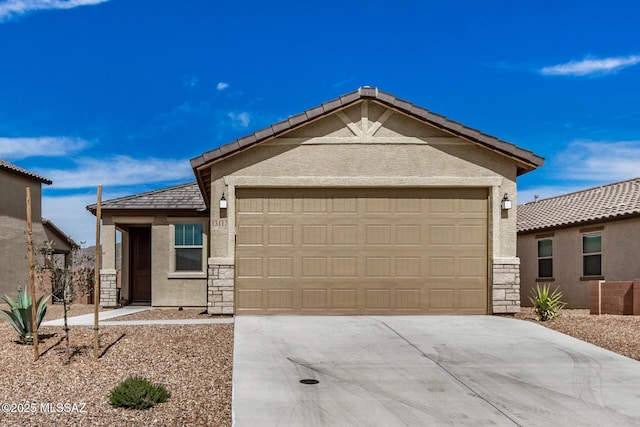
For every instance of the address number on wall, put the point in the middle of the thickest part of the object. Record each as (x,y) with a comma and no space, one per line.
(219,222)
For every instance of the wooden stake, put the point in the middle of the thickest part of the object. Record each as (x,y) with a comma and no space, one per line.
(96,284)
(32,278)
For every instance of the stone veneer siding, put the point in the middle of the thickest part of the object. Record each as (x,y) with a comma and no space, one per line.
(220,289)
(108,288)
(506,288)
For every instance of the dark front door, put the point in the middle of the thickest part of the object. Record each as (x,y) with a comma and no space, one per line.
(140,264)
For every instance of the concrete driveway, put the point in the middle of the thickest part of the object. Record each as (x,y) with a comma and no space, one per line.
(425,371)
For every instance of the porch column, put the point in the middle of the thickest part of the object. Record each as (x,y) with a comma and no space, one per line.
(506,285)
(220,286)
(108,272)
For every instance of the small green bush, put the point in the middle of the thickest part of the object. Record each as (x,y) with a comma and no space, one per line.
(138,393)
(547,305)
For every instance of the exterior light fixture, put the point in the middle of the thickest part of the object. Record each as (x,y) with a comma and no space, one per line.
(223,202)
(506,203)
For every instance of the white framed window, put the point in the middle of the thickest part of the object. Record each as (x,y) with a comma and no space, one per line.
(188,251)
(592,254)
(545,258)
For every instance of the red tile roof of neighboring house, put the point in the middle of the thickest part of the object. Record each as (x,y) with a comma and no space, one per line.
(606,202)
(527,160)
(179,197)
(18,170)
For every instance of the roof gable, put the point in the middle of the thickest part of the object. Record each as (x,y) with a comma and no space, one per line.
(10,167)
(526,160)
(606,202)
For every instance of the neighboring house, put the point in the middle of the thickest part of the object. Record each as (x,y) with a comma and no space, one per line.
(14,266)
(568,240)
(364,204)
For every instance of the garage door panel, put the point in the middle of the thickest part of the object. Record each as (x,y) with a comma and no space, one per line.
(250,234)
(472,299)
(377,267)
(408,234)
(280,235)
(280,267)
(280,299)
(344,234)
(250,299)
(314,267)
(378,234)
(314,299)
(344,266)
(361,251)
(250,267)
(344,298)
(408,299)
(472,267)
(377,299)
(441,299)
(408,266)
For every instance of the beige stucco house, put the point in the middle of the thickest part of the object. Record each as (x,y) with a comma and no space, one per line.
(14,267)
(364,204)
(569,240)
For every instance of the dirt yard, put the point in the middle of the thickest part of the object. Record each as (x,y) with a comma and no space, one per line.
(194,362)
(620,334)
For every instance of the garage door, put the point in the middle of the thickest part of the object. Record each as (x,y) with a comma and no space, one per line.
(361,251)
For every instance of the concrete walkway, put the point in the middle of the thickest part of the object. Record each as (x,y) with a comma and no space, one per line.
(87,319)
(425,371)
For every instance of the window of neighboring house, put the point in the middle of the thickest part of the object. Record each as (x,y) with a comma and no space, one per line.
(592,254)
(188,246)
(545,258)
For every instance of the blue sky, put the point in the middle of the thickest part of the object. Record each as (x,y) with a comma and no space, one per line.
(124,92)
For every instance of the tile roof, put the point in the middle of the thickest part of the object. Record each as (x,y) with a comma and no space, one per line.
(528,161)
(596,204)
(179,197)
(18,170)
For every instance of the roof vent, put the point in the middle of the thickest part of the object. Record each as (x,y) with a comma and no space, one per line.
(368,91)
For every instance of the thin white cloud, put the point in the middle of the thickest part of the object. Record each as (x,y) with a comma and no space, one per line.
(119,171)
(50,146)
(11,9)
(240,119)
(584,164)
(222,86)
(601,161)
(591,66)
(189,81)
(70,215)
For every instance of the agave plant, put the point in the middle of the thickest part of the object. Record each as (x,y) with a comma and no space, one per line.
(20,314)
(546,303)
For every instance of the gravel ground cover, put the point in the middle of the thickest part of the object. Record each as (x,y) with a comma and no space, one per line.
(620,334)
(168,314)
(194,362)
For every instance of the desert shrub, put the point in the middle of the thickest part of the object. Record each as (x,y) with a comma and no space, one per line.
(137,392)
(547,304)
(19,317)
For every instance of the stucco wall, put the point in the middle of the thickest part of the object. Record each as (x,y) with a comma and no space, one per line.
(168,289)
(620,248)
(14,267)
(402,152)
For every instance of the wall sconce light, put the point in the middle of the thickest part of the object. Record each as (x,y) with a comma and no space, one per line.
(223,202)
(506,203)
